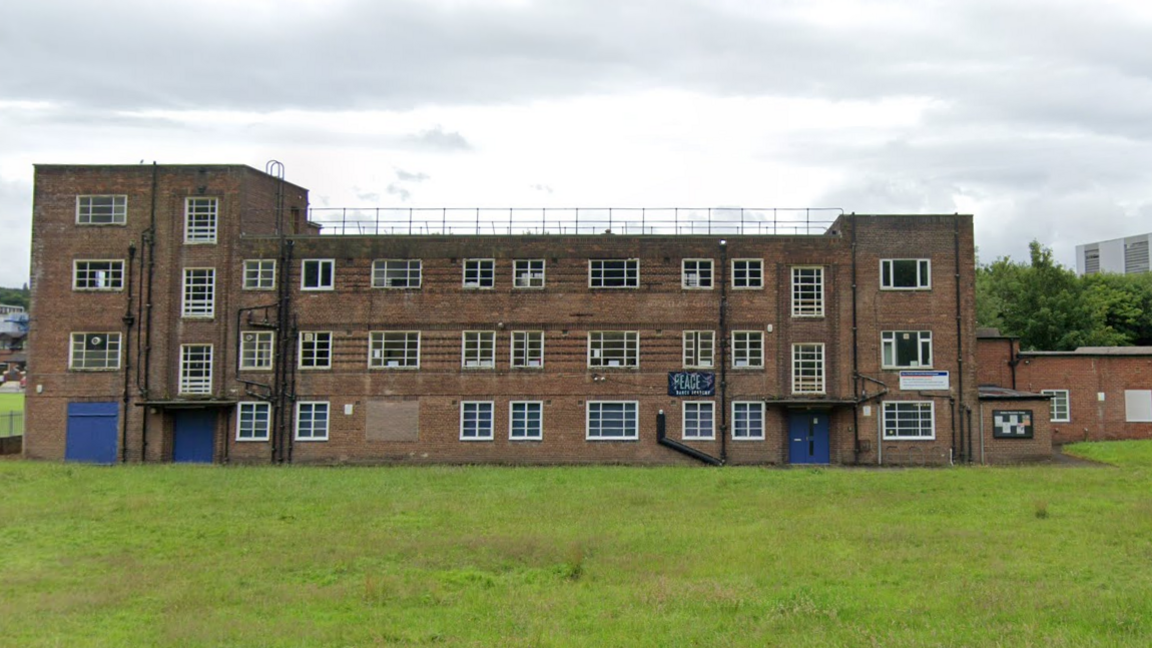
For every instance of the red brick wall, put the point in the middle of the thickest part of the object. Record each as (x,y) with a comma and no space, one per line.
(1010,451)
(566,310)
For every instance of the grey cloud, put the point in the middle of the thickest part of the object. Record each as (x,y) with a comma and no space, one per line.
(16,198)
(439,140)
(399,191)
(541,187)
(408,176)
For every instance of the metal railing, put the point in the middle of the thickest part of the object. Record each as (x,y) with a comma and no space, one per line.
(11,424)
(578,221)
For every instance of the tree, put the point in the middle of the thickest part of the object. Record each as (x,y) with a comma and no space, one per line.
(15,296)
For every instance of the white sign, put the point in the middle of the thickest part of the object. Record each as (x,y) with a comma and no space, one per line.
(923,380)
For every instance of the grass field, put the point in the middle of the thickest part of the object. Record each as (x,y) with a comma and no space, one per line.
(595,556)
(11,425)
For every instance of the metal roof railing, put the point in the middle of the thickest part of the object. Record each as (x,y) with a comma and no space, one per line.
(573,221)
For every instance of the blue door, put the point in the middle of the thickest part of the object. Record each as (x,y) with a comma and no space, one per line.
(808,438)
(91,433)
(193,436)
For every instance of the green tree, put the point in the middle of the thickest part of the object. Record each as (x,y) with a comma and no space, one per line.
(15,296)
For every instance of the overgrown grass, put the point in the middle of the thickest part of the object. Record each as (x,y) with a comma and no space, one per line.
(11,414)
(601,556)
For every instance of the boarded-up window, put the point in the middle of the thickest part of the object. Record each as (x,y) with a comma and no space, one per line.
(392,420)
(1138,405)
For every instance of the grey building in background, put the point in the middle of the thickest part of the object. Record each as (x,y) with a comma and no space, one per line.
(1128,255)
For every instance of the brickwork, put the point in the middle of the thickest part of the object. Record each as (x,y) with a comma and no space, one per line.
(856,311)
(1096,381)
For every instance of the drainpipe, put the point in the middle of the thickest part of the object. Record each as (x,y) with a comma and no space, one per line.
(983,459)
(855,359)
(680,447)
(723,345)
(128,320)
(968,411)
(959,322)
(150,243)
(952,415)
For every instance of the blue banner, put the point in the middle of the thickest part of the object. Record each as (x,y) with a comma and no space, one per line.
(691,383)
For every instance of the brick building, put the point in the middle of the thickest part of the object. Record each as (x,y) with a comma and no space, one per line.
(197,313)
(1098,393)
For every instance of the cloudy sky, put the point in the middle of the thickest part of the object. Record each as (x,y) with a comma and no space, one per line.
(1034,115)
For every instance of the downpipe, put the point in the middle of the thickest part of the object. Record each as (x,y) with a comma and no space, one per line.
(663,440)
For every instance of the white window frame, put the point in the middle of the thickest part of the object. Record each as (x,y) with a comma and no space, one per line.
(196,372)
(114,207)
(479,274)
(199,293)
(406,342)
(920,405)
(248,418)
(521,349)
(313,338)
(79,358)
(630,420)
(808,291)
(697,274)
(476,422)
(528,434)
(398,274)
(808,368)
(628,274)
(629,352)
(695,348)
(923,279)
(201,220)
(259,274)
(320,265)
(315,431)
(473,354)
(744,276)
(742,347)
(691,428)
(528,273)
(890,348)
(86,278)
(749,406)
(1059,395)
(256,350)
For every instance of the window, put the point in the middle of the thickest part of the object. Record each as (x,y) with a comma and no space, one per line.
(199,292)
(1137,405)
(747,349)
(528,273)
(906,348)
(699,347)
(94,351)
(196,369)
(101,210)
(807,368)
(312,420)
(908,420)
(1058,406)
(614,273)
(808,291)
(1091,259)
(696,273)
(98,275)
(528,349)
(526,421)
(259,274)
(253,420)
(394,349)
(747,420)
(479,273)
(905,274)
(476,420)
(612,420)
(315,349)
(317,274)
(479,349)
(613,349)
(256,349)
(200,220)
(396,273)
(747,273)
(699,420)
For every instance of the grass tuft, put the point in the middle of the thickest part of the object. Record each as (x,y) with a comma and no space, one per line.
(1041,509)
